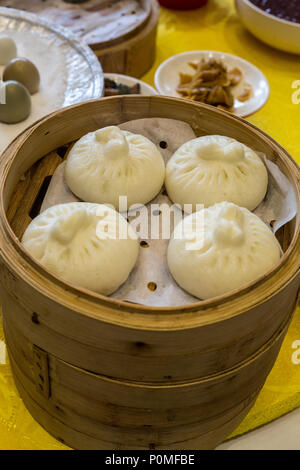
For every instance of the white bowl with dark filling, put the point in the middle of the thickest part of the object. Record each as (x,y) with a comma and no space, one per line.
(274,30)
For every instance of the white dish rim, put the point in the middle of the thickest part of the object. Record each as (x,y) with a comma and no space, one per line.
(135,80)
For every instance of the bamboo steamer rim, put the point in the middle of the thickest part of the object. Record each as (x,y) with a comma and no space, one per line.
(133,316)
(148,6)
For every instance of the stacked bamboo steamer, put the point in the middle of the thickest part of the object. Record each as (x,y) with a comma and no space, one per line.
(122,33)
(99,373)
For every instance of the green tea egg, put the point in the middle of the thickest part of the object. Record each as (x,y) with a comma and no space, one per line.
(23,71)
(15,103)
(8,49)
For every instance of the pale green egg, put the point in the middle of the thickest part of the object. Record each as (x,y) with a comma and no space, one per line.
(8,49)
(23,71)
(15,103)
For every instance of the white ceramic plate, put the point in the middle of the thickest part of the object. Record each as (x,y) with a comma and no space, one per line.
(167,78)
(130,81)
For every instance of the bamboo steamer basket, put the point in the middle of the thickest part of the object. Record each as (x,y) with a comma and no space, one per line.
(127,49)
(100,373)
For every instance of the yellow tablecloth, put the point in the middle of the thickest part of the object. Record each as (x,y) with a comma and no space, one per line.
(215,27)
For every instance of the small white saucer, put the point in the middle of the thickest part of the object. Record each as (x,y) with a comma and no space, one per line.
(167,78)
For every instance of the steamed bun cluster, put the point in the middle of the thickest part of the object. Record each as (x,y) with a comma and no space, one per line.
(214,168)
(219,249)
(109,163)
(211,252)
(89,245)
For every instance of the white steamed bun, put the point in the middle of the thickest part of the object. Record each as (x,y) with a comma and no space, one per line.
(109,163)
(219,249)
(8,49)
(89,245)
(215,168)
